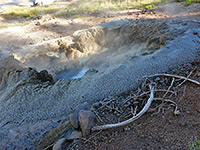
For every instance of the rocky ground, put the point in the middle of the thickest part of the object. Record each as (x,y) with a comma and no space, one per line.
(159,128)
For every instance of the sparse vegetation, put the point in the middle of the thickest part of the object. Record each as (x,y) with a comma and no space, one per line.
(4,26)
(150,6)
(78,9)
(195,145)
(188,2)
(26,12)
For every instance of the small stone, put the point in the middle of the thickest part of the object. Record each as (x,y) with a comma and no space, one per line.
(74,115)
(87,120)
(170,122)
(176,113)
(195,33)
(198,74)
(38,24)
(75,135)
(60,144)
(97,105)
(188,112)
(143,136)
(157,79)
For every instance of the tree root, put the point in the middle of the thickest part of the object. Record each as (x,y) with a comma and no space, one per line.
(146,107)
(148,104)
(177,76)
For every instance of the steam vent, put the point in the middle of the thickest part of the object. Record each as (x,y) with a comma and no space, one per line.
(107,59)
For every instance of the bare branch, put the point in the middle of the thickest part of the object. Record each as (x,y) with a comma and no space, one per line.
(169,88)
(146,107)
(187,77)
(177,76)
(168,100)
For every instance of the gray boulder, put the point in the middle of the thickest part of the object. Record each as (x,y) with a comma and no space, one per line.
(74,116)
(87,120)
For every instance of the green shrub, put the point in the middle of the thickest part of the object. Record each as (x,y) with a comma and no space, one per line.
(150,6)
(188,2)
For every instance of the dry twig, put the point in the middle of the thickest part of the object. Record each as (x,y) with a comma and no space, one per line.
(168,100)
(169,88)
(187,77)
(177,76)
(98,117)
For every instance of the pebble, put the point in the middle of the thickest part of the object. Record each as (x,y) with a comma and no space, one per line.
(157,79)
(60,144)
(188,112)
(97,105)
(195,33)
(75,135)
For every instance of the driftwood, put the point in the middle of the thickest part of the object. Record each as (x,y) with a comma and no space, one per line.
(146,107)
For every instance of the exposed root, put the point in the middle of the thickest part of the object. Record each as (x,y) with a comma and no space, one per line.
(177,76)
(146,107)
(187,77)
(142,92)
(168,100)
(169,88)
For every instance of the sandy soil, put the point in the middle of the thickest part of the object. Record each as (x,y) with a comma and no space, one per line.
(159,131)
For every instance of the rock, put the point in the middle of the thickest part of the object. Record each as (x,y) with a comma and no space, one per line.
(44,76)
(38,24)
(97,105)
(74,116)
(8,62)
(157,79)
(60,144)
(75,135)
(195,33)
(29,75)
(87,120)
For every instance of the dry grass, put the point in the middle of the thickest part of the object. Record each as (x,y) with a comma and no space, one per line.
(78,8)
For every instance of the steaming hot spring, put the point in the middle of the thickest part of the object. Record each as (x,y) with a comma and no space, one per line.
(104,46)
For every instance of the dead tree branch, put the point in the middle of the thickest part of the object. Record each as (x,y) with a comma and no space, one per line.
(146,107)
(177,76)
